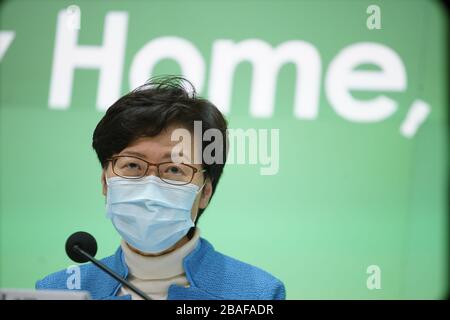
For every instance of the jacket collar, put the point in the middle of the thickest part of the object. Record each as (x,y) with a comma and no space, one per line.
(192,266)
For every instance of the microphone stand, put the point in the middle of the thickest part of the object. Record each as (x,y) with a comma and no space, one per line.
(112,273)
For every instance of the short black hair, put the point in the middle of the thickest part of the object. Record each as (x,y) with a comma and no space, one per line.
(148,109)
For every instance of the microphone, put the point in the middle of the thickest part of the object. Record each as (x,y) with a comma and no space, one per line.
(81,247)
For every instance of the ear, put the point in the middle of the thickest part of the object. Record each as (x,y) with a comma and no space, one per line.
(104,185)
(206,194)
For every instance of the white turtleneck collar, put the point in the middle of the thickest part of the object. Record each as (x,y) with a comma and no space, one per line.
(154,274)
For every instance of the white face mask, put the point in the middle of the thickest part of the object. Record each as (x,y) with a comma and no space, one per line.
(149,214)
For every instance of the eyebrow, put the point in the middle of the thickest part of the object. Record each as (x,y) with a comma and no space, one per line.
(133,153)
(167,155)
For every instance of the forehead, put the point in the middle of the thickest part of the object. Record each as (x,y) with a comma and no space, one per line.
(159,148)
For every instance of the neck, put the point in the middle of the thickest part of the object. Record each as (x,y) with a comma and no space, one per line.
(180,243)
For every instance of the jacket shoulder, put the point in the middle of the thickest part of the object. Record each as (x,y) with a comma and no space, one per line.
(230,278)
(79,277)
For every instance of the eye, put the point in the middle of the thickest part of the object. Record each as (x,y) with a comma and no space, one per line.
(132,166)
(174,170)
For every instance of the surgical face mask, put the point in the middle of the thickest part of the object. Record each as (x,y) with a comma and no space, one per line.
(149,214)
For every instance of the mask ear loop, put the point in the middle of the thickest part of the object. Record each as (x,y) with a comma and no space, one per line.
(200,189)
(106,181)
(106,170)
(191,231)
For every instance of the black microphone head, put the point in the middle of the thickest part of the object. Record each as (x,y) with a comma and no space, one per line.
(84,241)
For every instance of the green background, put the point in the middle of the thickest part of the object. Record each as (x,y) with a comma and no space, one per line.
(347,195)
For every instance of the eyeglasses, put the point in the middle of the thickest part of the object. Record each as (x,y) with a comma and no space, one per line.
(130,167)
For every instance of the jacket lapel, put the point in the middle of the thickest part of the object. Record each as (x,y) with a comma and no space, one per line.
(192,266)
(109,285)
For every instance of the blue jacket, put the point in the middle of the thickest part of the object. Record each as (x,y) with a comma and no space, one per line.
(211,276)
